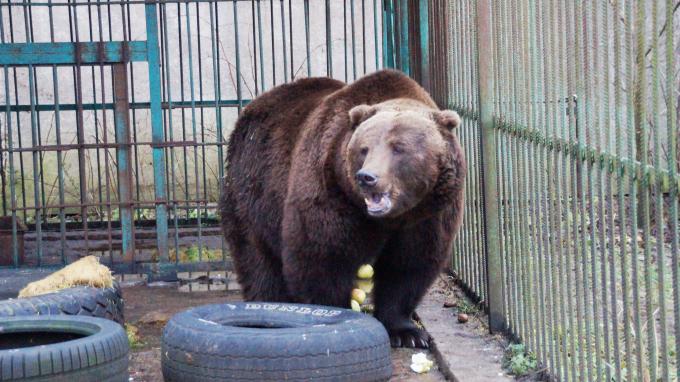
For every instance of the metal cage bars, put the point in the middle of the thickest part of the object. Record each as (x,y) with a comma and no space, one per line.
(207,59)
(570,238)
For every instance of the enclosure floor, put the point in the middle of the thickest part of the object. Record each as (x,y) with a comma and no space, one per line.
(145,364)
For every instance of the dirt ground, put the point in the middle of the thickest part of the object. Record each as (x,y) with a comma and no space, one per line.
(147,308)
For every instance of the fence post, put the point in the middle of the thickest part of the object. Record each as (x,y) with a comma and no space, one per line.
(157,133)
(121,119)
(489,167)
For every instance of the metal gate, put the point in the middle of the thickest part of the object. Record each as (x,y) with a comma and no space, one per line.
(115,114)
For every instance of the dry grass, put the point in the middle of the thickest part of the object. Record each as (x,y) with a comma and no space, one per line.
(86,271)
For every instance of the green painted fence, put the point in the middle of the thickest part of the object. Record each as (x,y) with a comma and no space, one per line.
(570,235)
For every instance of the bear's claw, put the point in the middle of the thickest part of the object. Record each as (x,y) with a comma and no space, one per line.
(410,338)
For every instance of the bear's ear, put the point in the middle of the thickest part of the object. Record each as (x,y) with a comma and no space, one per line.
(360,113)
(447,118)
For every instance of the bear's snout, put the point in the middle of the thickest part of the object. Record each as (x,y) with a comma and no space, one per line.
(366,178)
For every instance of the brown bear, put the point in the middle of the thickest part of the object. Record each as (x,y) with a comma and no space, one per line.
(323,177)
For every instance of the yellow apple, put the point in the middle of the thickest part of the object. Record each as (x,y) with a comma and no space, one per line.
(365,271)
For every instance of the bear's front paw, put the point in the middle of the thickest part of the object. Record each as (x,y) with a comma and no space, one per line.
(410,338)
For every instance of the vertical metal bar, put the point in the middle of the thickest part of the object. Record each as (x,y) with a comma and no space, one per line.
(78,84)
(60,165)
(22,174)
(634,117)
(672,141)
(644,183)
(388,34)
(539,160)
(375,34)
(157,133)
(595,202)
(100,189)
(255,43)
(610,206)
(127,33)
(202,210)
(283,39)
(424,31)
(290,31)
(479,229)
(625,267)
(404,56)
(307,40)
(504,249)
(579,165)
(354,50)
(28,27)
(214,36)
(656,188)
(167,93)
(10,148)
(329,41)
(344,37)
(546,184)
(121,117)
(261,48)
(363,34)
(105,134)
(271,30)
(489,159)
(238,57)
(562,193)
(36,171)
(190,63)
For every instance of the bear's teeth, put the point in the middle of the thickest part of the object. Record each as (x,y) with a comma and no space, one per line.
(382,204)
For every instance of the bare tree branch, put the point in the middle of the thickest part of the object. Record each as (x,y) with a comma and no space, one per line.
(677,5)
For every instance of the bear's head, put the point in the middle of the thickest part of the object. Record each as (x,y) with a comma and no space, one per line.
(397,153)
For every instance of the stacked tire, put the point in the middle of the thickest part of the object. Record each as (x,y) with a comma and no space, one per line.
(62,348)
(81,301)
(73,335)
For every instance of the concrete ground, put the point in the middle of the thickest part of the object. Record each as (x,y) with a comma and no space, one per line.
(147,308)
(462,351)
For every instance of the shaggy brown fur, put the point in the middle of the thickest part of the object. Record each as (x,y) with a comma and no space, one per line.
(294,213)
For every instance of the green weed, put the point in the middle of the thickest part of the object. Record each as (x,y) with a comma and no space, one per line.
(518,361)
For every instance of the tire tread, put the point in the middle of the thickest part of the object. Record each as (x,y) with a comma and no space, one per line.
(83,301)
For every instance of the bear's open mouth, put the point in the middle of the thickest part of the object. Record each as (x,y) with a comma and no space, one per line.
(378,204)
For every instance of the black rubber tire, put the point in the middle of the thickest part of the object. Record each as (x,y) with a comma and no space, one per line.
(238,342)
(82,301)
(100,356)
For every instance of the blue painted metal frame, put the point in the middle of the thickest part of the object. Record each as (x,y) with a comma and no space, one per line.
(115,53)
(388,34)
(404,54)
(66,53)
(424,25)
(121,120)
(157,136)
(133,105)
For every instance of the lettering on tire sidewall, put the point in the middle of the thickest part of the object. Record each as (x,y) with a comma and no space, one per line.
(319,312)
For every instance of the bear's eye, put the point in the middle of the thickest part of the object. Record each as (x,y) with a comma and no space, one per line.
(364,150)
(397,149)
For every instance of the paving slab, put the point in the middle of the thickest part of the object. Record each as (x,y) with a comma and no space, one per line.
(464,352)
